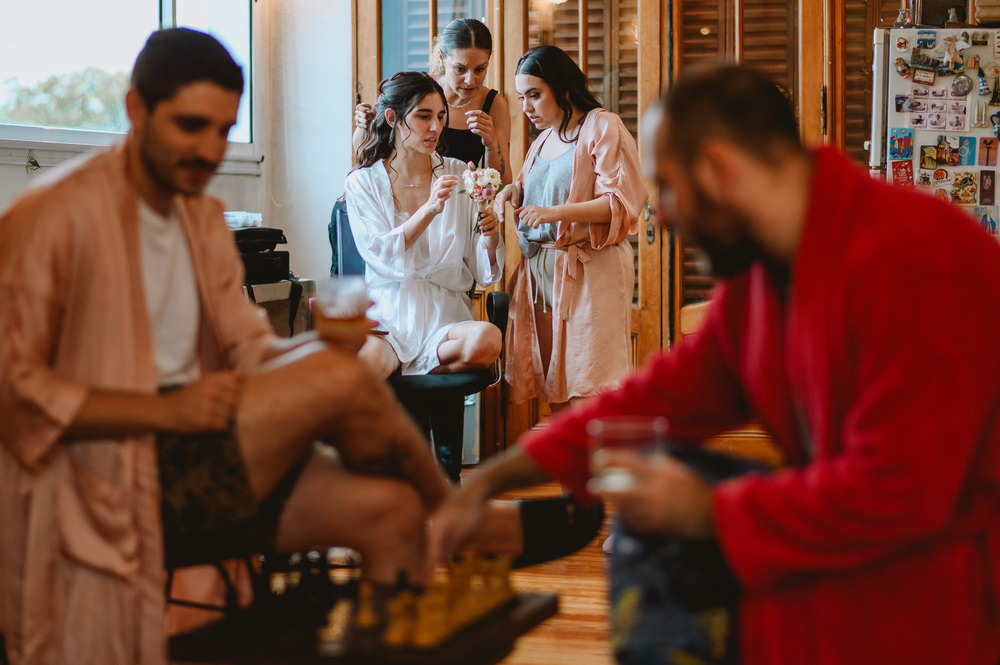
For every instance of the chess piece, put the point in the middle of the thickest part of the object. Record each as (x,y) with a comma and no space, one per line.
(400,619)
(366,617)
(431,624)
(332,636)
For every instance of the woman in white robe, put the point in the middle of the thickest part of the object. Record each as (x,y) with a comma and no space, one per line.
(423,241)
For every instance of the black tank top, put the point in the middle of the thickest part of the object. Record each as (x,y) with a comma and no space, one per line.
(462,143)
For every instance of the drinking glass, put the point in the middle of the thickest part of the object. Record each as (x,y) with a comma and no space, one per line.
(645,434)
(340,302)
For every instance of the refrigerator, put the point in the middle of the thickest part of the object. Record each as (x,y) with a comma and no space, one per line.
(936,114)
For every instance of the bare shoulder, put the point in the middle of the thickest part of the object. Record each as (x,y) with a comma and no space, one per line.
(500,107)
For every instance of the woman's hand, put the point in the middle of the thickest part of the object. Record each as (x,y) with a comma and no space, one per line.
(481,124)
(363,115)
(489,226)
(441,191)
(535,216)
(510,193)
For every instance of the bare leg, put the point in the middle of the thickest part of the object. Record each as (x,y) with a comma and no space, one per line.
(382,518)
(379,355)
(469,345)
(329,392)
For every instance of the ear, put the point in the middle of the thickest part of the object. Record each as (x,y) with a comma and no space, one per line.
(717,167)
(135,107)
(390,117)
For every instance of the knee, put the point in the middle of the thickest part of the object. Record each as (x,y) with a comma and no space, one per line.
(394,515)
(485,345)
(339,374)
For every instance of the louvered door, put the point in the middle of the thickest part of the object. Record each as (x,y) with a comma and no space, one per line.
(760,33)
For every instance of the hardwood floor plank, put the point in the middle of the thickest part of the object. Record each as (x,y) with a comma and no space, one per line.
(578,634)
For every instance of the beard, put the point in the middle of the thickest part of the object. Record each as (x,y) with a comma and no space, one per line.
(720,232)
(165,172)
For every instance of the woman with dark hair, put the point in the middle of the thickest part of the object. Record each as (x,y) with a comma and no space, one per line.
(422,245)
(576,199)
(478,130)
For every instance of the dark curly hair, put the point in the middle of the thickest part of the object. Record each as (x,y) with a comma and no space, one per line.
(401,92)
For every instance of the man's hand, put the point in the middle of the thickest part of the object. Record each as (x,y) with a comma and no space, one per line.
(205,405)
(451,525)
(667,497)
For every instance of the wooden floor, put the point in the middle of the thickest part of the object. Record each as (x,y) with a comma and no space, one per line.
(578,635)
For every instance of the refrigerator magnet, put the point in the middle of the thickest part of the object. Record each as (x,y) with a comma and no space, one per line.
(901,143)
(928,156)
(987,151)
(964,188)
(902,172)
(925,178)
(902,68)
(961,86)
(902,44)
(926,38)
(987,187)
(967,151)
(925,76)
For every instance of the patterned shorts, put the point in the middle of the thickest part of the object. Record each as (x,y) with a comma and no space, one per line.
(209,510)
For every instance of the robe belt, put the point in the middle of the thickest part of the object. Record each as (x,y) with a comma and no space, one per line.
(578,253)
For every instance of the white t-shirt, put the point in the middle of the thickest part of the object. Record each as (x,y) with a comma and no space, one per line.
(171,296)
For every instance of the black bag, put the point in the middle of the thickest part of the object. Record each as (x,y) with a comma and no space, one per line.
(261,263)
(674,600)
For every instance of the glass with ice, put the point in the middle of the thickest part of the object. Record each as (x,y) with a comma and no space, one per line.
(644,434)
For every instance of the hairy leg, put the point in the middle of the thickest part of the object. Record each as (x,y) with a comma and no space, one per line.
(469,345)
(327,394)
(382,518)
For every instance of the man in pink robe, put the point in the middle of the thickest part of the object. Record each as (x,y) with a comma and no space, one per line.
(90,394)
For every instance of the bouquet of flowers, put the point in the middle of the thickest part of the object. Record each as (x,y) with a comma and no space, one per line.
(482,185)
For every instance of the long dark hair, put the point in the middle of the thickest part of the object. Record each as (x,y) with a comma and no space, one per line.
(401,92)
(567,82)
(462,33)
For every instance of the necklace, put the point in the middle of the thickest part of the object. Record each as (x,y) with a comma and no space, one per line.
(459,106)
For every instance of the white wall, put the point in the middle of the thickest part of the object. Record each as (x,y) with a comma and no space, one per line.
(307,149)
(312,110)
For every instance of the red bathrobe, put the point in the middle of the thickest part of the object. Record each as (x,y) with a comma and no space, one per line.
(877,371)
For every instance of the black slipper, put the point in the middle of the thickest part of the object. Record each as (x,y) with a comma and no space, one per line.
(555,527)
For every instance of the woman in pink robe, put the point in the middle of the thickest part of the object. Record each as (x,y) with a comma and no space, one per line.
(577,199)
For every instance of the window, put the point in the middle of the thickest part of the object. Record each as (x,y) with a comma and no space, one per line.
(406,30)
(64,69)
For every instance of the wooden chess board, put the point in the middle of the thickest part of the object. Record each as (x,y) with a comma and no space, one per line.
(242,640)
(319,622)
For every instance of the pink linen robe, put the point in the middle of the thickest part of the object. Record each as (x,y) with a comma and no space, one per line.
(81,564)
(594,275)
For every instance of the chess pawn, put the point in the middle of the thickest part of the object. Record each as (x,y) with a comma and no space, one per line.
(431,624)
(366,618)
(459,585)
(400,612)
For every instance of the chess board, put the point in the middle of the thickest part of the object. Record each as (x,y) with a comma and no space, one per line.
(300,625)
